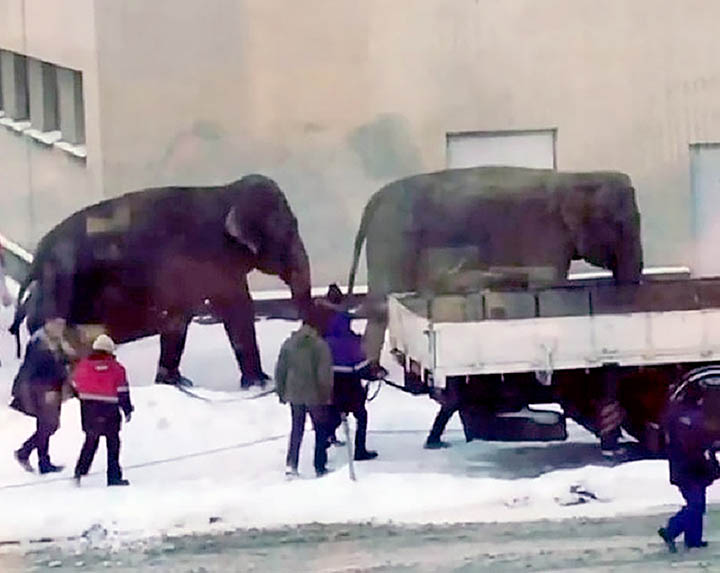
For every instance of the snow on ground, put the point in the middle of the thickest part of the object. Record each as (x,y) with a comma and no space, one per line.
(190,461)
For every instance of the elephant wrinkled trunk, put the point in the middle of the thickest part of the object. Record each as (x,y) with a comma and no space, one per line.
(297,277)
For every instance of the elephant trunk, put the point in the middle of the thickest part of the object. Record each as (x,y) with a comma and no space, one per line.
(629,256)
(297,276)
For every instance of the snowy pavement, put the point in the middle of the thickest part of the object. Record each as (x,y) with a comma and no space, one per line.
(200,466)
(622,544)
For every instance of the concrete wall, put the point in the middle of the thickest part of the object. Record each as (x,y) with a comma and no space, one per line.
(333,98)
(41,184)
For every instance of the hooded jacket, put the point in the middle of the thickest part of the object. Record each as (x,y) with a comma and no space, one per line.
(346,346)
(101,378)
(689,447)
(303,374)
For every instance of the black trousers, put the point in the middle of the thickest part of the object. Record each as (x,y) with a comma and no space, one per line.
(87,453)
(349,397)
(100,419)
(46,408)
(441,420)
(450,400)
(321,417)
(690,518)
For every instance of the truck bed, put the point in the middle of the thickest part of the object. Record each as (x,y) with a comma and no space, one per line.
(571,326)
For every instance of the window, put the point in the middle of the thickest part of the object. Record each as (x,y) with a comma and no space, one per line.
(535,148)
(71,105)
(43,101)
(14,85)
(43,95)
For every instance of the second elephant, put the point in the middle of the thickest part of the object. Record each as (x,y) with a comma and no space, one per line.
(498,220)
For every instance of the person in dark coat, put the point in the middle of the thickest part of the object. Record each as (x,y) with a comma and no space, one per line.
(693,466)
(101,384)
(350,367)
(304,379)
(37,391)
(434,441)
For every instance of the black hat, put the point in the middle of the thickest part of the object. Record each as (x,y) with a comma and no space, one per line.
(334,294)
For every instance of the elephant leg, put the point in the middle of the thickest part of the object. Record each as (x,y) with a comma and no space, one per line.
(239,323)
(173,335)
(374,338)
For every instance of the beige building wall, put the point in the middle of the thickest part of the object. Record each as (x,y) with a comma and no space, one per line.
(41,184)
(333,98)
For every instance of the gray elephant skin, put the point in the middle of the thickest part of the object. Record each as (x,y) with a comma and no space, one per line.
(147,262)
(496,220)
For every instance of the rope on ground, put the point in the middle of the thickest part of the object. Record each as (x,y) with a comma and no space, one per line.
(194,455)
(212,451)
(154,462)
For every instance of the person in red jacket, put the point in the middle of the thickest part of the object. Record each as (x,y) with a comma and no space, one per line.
(102,387)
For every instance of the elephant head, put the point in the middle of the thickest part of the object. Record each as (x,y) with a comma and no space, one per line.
(260,219)
(603,220)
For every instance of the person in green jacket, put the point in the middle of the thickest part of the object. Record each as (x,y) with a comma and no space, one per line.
(304,379)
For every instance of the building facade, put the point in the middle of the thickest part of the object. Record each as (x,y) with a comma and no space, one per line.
(334,98)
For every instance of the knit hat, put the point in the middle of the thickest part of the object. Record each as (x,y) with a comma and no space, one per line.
(104,343)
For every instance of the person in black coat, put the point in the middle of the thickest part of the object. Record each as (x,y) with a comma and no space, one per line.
(37,391)
(693,466)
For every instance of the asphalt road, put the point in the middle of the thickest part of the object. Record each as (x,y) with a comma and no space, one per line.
(623,544)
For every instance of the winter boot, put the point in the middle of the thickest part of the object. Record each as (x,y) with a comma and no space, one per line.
(333,441)
(435,444)
(291,472)
(24,462)
(117,481)
(698,545)
(362,455)
(669,542)
(50,468)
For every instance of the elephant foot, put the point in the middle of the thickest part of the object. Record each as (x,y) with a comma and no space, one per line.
(173,378)
(250,381)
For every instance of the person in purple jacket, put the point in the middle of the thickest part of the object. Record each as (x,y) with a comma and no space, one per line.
(350,367)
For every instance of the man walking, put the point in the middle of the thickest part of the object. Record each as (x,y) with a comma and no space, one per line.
(693,466)
(102,387)
(304,379)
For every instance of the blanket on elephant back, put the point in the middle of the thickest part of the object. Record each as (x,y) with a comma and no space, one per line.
(424,232)
(500,179)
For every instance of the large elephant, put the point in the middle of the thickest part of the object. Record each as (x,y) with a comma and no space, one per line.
(147,262)
(493,220)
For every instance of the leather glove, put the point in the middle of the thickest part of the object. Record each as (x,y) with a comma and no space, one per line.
(128,417)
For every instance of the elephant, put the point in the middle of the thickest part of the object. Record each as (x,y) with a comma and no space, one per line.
(496,221)
(146,262)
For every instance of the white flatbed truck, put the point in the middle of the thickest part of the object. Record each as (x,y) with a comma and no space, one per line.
(608,353)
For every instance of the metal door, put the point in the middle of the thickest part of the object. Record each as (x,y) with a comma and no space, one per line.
(705,181)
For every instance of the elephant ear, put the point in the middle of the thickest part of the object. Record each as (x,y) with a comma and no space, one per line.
(240,232)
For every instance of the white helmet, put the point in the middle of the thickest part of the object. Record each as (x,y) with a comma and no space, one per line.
(104,343)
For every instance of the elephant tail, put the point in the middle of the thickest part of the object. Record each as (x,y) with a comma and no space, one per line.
(20,312)
(22,305)
(367,217)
